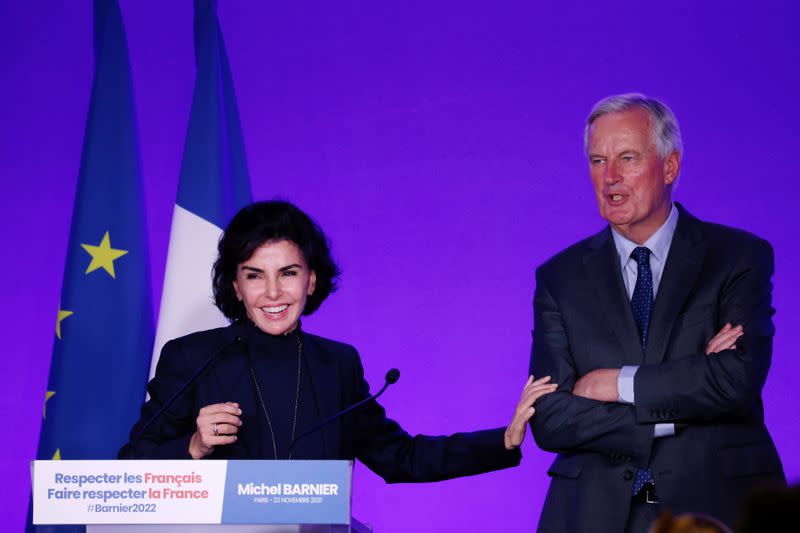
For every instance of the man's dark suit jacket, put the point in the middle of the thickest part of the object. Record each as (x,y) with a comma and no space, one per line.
(337,379)
(583,321)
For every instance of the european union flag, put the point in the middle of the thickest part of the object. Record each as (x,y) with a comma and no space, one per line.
(104,326)
(214,185)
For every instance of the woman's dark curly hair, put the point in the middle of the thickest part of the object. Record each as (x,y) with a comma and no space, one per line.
(271,221)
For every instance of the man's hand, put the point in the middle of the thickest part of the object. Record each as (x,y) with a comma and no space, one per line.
(725,339)
(515,432)
(600,385)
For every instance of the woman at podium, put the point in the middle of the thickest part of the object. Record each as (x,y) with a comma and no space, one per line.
(263,388)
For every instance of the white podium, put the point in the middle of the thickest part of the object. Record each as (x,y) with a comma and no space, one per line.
(197,496)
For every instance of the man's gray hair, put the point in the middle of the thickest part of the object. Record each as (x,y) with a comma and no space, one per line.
(664,128)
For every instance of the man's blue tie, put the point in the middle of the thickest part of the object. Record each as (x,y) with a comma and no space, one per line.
(642,299)
(642,307)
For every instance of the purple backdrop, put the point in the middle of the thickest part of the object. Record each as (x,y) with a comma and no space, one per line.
(439,144)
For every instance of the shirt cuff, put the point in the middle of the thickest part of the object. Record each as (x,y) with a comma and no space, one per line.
(663,430)
(625,383)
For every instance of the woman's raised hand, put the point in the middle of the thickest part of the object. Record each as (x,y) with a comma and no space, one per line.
(515,432)
(217,424)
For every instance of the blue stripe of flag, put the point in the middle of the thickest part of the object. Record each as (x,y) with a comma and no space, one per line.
(214,180)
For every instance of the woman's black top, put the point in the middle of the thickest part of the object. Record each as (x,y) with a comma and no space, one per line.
(331,379)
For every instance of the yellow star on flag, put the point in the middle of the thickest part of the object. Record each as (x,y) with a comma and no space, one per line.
(47,395)
(57,455)
(62,314)
(103,255)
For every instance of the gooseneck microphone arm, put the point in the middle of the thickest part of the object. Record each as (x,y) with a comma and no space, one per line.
(180,391)
(391,378)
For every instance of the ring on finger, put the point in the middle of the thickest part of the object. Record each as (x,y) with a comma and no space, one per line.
(215,429)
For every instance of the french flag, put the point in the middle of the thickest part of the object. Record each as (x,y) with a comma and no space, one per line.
(214,185)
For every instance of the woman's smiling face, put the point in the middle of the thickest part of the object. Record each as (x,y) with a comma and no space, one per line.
(273,284)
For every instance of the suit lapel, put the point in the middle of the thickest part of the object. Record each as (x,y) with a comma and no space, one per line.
(234,379)
(228,379)
(323,376)
(235,358)
(603,271)
(684,262)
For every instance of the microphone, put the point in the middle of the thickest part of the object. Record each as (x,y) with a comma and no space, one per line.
(195,374)
(391,378)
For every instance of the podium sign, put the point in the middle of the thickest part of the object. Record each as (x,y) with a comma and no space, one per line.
(192,492)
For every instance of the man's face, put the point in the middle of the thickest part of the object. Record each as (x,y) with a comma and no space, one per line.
(632,183)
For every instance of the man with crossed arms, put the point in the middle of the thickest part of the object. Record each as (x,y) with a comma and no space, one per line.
(658,331)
